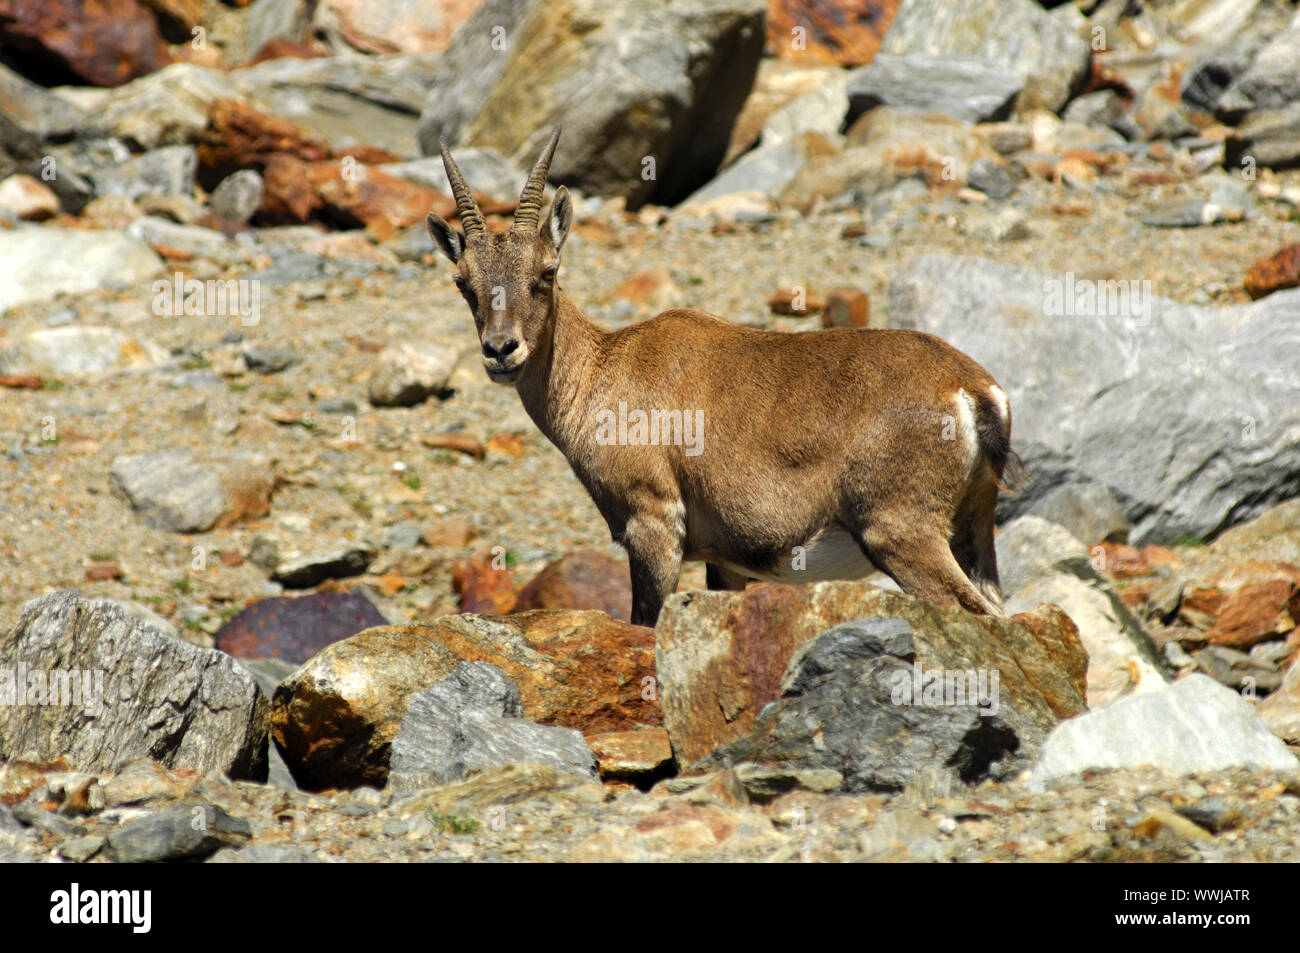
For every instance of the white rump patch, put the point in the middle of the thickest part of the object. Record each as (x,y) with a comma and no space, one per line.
(969,435)
(1000,401)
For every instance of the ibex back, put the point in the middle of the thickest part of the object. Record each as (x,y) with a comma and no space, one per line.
(789,457)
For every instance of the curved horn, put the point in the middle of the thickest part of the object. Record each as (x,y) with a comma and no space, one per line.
(471,219)
(530,200)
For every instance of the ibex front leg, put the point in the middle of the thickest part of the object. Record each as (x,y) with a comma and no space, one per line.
(654,553)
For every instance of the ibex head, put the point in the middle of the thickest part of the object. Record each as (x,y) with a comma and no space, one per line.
(508,280)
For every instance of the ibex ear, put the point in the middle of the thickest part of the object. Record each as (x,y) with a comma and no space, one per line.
(559,218)
(449,239)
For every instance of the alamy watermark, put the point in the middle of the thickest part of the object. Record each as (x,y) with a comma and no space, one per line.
(53,687)
(1069,296)
(180,296)
(946,688)
(653,428)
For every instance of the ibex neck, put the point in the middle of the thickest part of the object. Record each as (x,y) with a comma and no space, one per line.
(555,383)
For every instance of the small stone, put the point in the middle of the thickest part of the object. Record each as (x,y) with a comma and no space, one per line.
(990,178)
(179,834)
(449,533)
(337,405)
(403,535)
(28,198)
(80,849)
(1003,224)
(295,629)
(1267,275)
(797,301)
(406,375)
(303,571)
(584,579)
(464,443)
(238,196)
(1213,813)
(176,490)
(270,360)
(639,755)
(847,307)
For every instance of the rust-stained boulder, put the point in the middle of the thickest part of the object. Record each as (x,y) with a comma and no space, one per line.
(838,32)
(238,136)
(720,656)
(104,43)
(583,579)
(334,720)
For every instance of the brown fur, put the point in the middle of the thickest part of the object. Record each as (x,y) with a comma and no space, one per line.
(859,431)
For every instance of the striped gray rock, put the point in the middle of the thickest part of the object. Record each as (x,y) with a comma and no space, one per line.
(138,692)
(1013,35)
(471,721)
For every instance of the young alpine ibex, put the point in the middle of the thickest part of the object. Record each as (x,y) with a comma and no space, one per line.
(787,457)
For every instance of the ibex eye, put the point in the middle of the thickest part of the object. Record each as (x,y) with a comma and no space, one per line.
(548,275)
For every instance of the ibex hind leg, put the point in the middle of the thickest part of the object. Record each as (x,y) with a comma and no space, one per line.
(923,565)
(972,541)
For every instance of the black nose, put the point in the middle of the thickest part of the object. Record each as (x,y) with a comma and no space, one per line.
(494,351)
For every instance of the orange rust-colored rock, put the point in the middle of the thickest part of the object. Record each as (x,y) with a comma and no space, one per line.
(1121,560)
(838,32)
(1279,271)
(383,204)
(82,42)
(237,136)
(798,301)
(583,579)
(464,443)
(847,308)
(1256,612)
(482,587)
(582,669)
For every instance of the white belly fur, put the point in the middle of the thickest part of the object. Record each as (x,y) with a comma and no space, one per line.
(831,554)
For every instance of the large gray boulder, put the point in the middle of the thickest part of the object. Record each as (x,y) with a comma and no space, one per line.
(472,721)
(1188,415)
(1194,725)
(965,88)
(1273,78)
(40,262)
(629,81)
(102,687)
(1013,35)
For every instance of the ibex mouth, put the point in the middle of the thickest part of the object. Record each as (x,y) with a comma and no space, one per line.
(504,375)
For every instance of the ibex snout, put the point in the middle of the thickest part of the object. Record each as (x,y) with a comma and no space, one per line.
(502,356)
